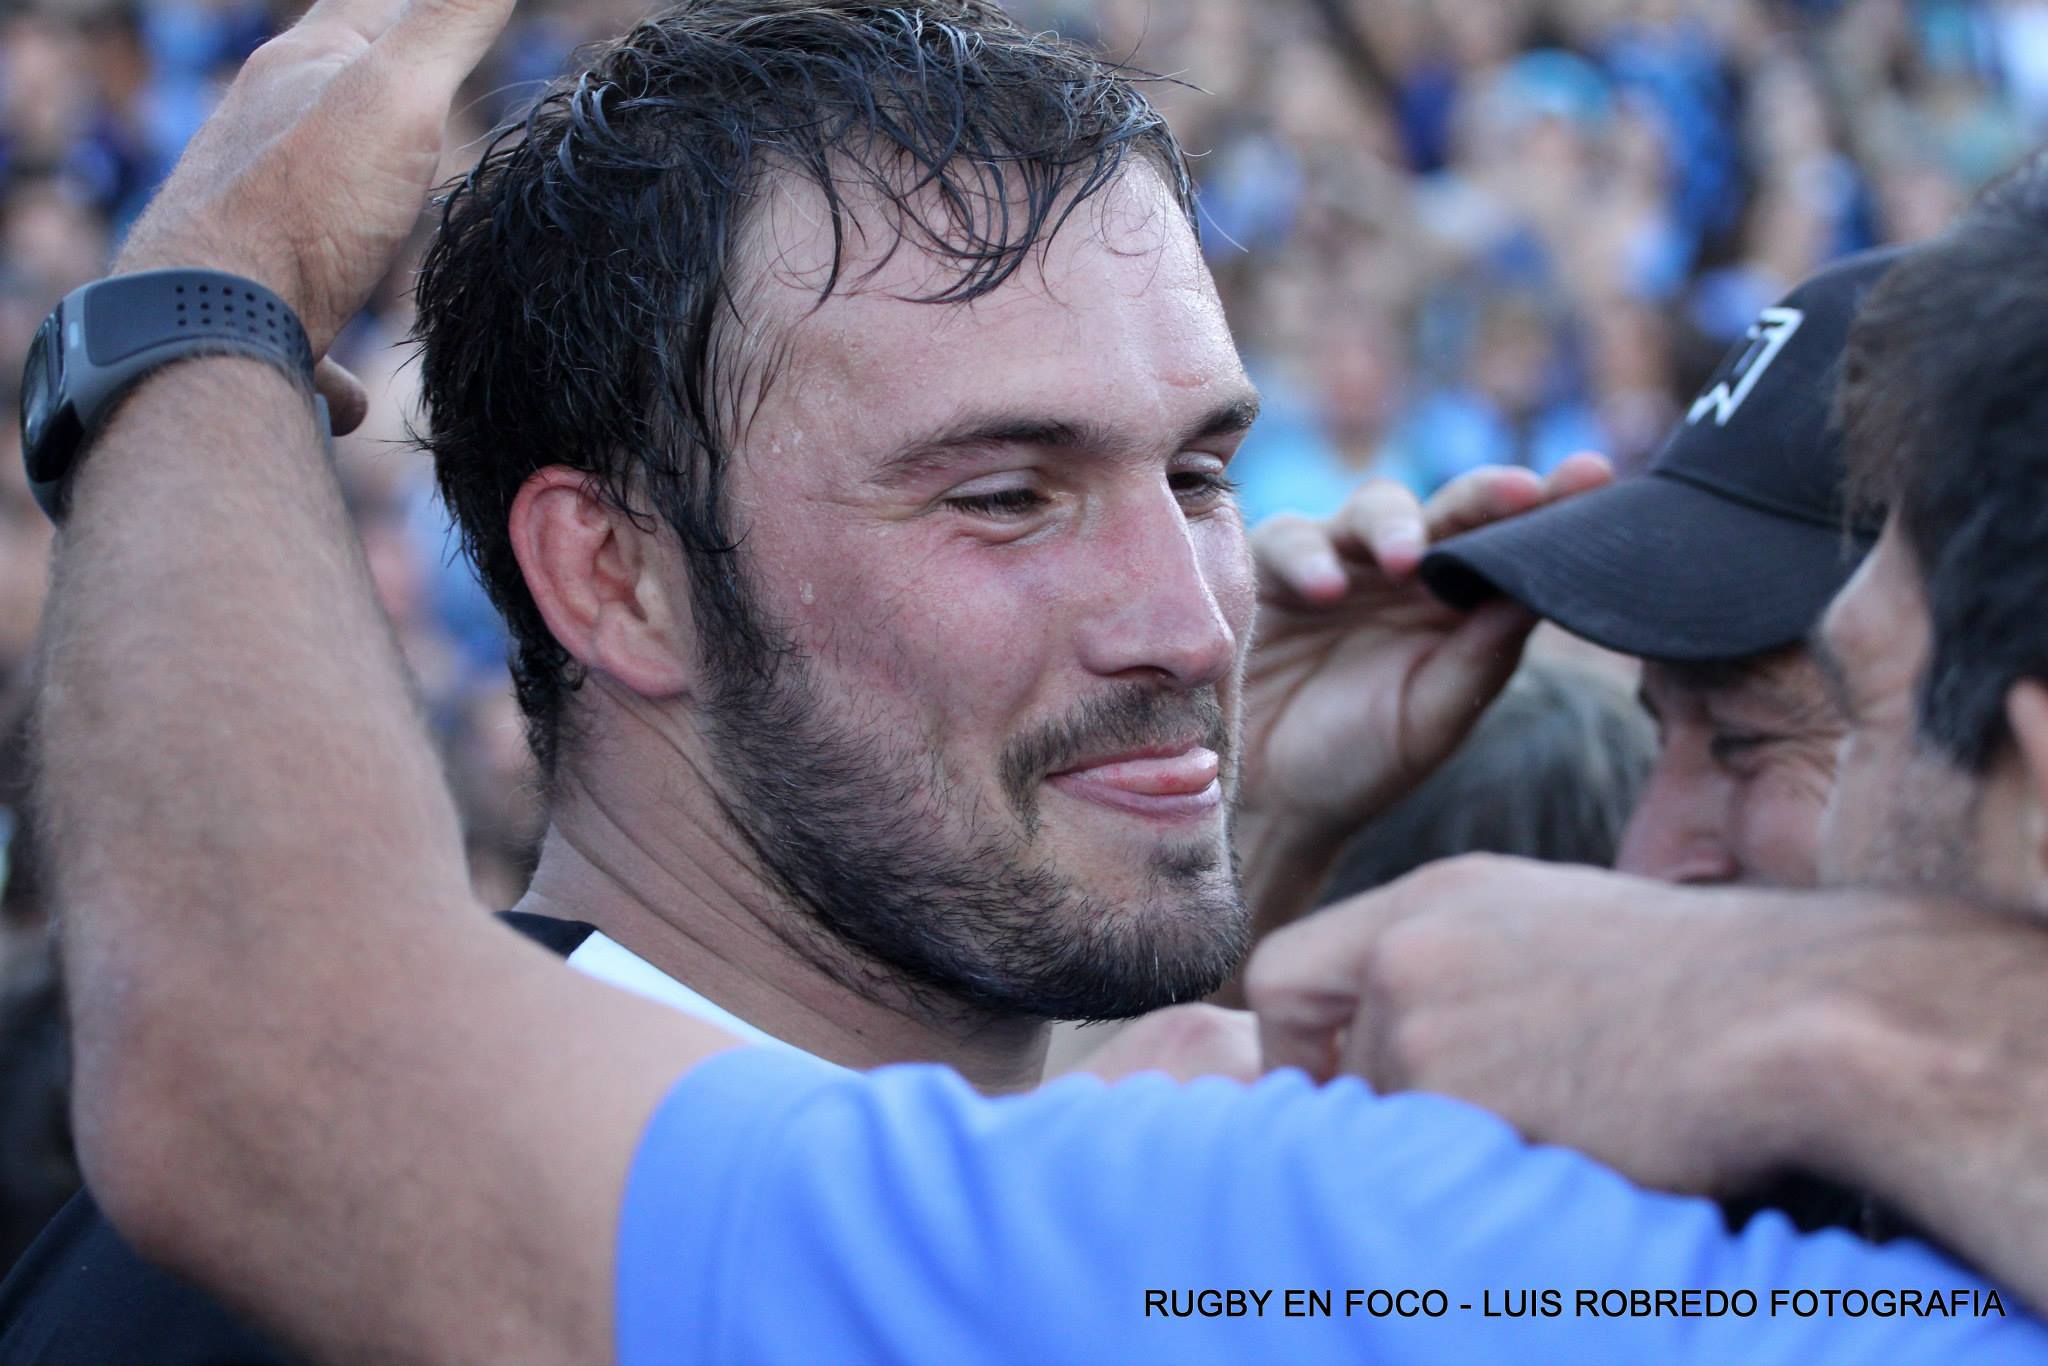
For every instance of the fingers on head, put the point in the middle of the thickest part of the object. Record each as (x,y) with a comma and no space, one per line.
(1488,641)
(1579,473)
(439,42)
(422,49)
(1295,554)
(1384,520)
(348,403)
(1480,496)
(365,19)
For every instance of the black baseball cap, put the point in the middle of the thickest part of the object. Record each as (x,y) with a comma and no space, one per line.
(1735,537)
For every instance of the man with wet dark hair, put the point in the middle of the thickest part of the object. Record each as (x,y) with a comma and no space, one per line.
(886,671)
(705,464)
(637,404)
(285,994)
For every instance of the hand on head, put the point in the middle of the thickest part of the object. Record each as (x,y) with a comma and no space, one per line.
(314,169)
(1361,681)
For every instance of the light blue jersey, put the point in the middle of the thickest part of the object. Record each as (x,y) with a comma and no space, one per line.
(780,1210)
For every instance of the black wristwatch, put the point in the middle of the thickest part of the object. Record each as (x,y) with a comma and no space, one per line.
(105,337)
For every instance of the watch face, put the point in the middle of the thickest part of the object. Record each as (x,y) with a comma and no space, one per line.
(36,388)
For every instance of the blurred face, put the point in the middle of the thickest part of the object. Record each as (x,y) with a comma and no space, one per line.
(1745,761)
(1903,815)
(1012,596)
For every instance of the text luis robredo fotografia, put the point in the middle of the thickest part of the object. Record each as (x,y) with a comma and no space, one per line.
(1585,1303)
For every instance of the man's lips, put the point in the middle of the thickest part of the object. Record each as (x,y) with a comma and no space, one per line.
(1154,782)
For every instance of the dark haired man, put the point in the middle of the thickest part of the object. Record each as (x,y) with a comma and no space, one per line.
(1918,1028)
(889,691)
(370,1158)
(884,653)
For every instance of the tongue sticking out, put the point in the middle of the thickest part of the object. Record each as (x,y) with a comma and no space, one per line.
(1176,785)
(1171,775)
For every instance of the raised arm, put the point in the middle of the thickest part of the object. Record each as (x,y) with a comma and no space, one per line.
(292,1078)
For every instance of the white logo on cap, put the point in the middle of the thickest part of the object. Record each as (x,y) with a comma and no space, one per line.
(1767,337)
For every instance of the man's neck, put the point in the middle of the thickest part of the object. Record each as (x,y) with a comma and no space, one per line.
(675,886)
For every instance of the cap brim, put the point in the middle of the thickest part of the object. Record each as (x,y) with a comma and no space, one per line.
(1655,567)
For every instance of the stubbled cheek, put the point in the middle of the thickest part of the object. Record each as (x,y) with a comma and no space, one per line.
(950,640)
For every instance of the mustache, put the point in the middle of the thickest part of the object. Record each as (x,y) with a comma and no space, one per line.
(1131,715)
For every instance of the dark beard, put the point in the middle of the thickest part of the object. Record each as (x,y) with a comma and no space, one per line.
(854,825)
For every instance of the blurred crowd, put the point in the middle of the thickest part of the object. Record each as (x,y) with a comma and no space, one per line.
(1457,232)
(1448,233)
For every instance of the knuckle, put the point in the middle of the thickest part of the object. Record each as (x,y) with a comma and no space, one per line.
(1409,961)
(1270,977)
(268,56)
(1412,1048)
(1202,1039)
(1433,880)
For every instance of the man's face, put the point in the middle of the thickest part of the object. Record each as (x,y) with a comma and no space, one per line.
(1015,595)
(1904,815)
(1745,761)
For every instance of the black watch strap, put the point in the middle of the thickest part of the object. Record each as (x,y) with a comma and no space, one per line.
(106,337)
(129,316)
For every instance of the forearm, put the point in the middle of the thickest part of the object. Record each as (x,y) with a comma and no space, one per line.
(305,1068)
(309,1074)
(1926,1070)
(239,797)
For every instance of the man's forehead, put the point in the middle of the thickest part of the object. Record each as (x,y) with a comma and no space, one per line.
(1116,307)
(872,240)
(1786,682)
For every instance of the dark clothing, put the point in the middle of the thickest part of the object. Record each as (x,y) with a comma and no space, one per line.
(560,937)
(80,1296)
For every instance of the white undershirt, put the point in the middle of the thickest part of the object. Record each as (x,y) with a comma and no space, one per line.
(610,961)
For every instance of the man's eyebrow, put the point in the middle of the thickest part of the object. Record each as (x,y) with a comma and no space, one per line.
(1228,418)
(985,431)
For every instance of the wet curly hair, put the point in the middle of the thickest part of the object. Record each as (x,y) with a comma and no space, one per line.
(578,306)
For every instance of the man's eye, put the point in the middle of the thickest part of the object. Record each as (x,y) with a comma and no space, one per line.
(1730,748)
(1202,489)
(1014,502)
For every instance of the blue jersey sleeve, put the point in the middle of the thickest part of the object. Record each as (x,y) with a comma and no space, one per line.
(780,1211)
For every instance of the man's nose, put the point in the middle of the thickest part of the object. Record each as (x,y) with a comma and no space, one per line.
(1156,611)
(1679,829)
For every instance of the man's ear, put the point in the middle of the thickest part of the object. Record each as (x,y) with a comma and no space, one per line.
(598,582)
(2026,714)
